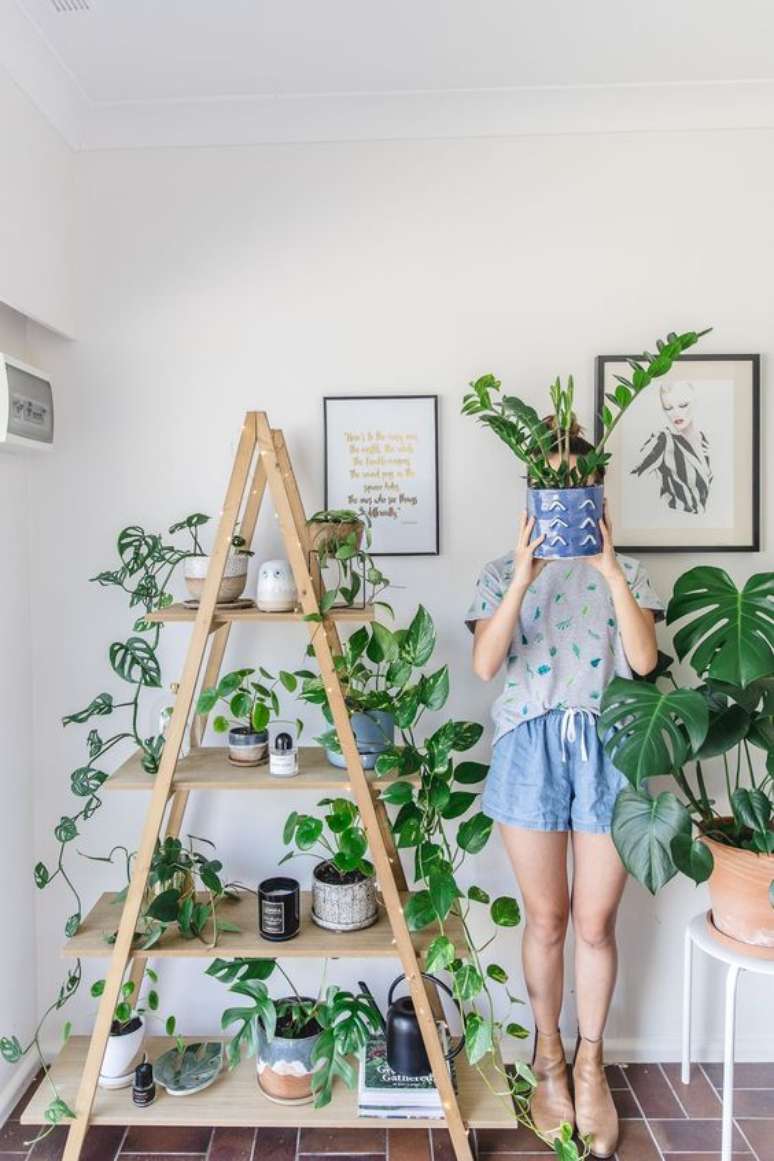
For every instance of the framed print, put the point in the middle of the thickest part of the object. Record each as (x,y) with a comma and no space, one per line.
(685,469)
(381,458)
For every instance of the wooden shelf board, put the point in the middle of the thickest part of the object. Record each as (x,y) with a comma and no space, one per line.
(208,768)
(312,942)
(181,612)
(235,1099)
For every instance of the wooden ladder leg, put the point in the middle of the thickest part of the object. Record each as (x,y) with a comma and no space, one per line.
(161,790)
(361,790)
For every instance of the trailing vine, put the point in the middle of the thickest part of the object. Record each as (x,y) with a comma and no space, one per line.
(146,566)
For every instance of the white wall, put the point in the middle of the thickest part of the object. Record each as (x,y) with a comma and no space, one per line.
(212,281)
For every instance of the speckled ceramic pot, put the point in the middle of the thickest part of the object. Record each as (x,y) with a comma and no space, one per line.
(343,906)
(569,519)
(247,747)
(285,1066)
(234,576)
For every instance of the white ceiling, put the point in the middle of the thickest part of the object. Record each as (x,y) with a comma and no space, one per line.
(134,72)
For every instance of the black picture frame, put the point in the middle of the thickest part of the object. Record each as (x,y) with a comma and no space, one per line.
(435,551)
(754,360)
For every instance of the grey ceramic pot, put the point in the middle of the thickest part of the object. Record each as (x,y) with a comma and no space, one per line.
(247,747)
(374,731)
(343,906)
(569,519)
(285,1066)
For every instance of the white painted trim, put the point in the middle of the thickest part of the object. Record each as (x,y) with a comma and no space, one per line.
(664,1049)
(17,1082)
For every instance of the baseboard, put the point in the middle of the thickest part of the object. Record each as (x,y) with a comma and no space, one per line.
(629,1050)
(18,1080)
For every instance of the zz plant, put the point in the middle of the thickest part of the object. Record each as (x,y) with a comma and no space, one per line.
(534,441)
(659,727)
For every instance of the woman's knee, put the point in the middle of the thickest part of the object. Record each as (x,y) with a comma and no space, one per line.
(548,926)
(594,928)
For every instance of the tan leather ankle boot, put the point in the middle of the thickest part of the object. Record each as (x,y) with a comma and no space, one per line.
(551,1102)
(595,1112)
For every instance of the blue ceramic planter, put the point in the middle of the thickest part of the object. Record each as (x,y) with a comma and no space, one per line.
(374,732)
(569,517)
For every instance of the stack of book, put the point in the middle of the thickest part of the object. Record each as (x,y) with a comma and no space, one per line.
(384,1093)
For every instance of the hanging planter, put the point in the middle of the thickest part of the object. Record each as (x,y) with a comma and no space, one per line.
(331,528)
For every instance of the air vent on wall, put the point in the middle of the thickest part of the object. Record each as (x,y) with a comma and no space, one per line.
(70,5)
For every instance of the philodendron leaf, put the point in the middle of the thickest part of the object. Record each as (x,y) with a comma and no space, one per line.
(647,732)
(439,954)
(731,635)
(418,643)
(643,830)
(752,808)
(478,1036)
(467,982)
(692,857)
(474,833)
(497,973)
(443,891)
(505,912)
(419,910)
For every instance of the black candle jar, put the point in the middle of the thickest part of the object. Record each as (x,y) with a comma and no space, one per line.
(278,908)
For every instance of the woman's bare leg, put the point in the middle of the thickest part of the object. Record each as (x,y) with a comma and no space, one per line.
(539,860)
(599,879)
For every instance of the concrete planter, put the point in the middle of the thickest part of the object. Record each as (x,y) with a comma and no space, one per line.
(343,906)
(247,747)
(234,577)
(739,894)
(374,732)
(122,1055)
(569,519)
(285,1067)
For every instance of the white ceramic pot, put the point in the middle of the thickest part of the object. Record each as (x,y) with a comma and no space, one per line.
(234,576)
(277,591)
(122,1055)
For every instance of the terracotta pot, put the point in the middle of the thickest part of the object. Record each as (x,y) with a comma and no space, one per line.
(234,577)
(739,894)
(327,535)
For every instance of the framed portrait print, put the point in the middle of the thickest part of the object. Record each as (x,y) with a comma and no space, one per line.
(685,471)
(381,458)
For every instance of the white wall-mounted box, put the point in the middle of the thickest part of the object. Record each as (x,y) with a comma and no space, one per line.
(26,406)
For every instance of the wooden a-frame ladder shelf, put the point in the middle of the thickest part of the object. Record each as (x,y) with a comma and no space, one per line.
(261,462)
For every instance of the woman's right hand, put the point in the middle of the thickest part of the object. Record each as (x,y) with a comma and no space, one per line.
(526,567)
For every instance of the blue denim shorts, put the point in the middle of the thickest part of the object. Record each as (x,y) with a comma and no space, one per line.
(552,773)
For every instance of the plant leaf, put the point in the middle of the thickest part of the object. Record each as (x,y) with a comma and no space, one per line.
(647,732)
(643,830)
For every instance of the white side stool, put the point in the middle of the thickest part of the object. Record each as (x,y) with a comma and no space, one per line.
(698,934)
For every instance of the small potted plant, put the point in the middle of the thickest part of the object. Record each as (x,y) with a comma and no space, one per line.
(127,1033)
(344,883)
(251,704)
(564,489)
(348,570)
(300,1044)
(332,527)
(649,730)
(197,563)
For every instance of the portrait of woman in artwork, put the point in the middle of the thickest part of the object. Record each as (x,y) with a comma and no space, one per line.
(678,454)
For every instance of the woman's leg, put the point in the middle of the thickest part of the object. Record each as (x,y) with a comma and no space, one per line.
(539,860)
(599,879)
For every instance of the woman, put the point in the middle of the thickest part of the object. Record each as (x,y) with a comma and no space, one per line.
(563,629)
(678,454)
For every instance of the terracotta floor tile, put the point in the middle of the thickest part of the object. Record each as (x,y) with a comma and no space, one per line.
(409,1145)
(51,1147)
(653,1091)
(160,1156)
(166,1139)
(625,1103)
(615,1076)
(692,1136)
(699,1098)
(275,1144)
(318,1140)
(749,1074)
(514,1141)
(232,1144)
(15,1138)
(635,1143)
(103,1143)
(754,1102)
(704,1156)
(760,1134)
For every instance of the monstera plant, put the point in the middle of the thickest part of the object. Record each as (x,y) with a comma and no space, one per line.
(657,728)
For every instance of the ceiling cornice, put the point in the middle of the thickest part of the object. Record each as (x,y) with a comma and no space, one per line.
(547,110)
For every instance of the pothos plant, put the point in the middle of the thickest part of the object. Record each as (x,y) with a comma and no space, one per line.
(143,573)
(345,1020)
(351,566)
(659,727)
(438,817)
(536,442)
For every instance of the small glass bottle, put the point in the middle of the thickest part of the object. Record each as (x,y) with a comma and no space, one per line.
(283,752)
(144,1087)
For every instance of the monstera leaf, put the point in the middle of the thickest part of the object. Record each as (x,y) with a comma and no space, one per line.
(644,829)
(731,637)
(647,732)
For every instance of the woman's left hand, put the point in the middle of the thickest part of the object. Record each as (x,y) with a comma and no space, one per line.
(606,563)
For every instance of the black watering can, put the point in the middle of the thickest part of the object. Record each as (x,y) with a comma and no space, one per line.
(406,1053)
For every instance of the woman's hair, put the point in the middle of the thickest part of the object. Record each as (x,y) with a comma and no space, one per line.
(578,445)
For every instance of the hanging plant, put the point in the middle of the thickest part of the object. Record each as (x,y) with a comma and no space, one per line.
(144,572)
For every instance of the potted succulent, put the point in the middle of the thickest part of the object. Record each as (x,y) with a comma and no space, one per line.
(344,884)
(375,668)
(564,489)
(127,1033)
(300,1044)
(336,537)
(649,730)
(197,563)
(251,704)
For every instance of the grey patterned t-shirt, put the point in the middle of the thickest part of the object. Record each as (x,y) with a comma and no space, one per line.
(566,647)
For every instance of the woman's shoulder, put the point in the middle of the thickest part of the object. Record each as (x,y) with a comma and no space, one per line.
(501,566)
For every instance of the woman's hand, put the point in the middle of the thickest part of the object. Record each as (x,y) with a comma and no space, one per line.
(606,562)
(526,568)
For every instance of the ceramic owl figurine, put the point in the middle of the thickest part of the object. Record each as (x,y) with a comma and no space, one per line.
(277,591)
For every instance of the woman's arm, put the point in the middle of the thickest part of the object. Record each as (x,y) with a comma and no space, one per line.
(493,635)
(636,625)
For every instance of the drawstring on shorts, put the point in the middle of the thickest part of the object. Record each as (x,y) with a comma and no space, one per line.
(567,732)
